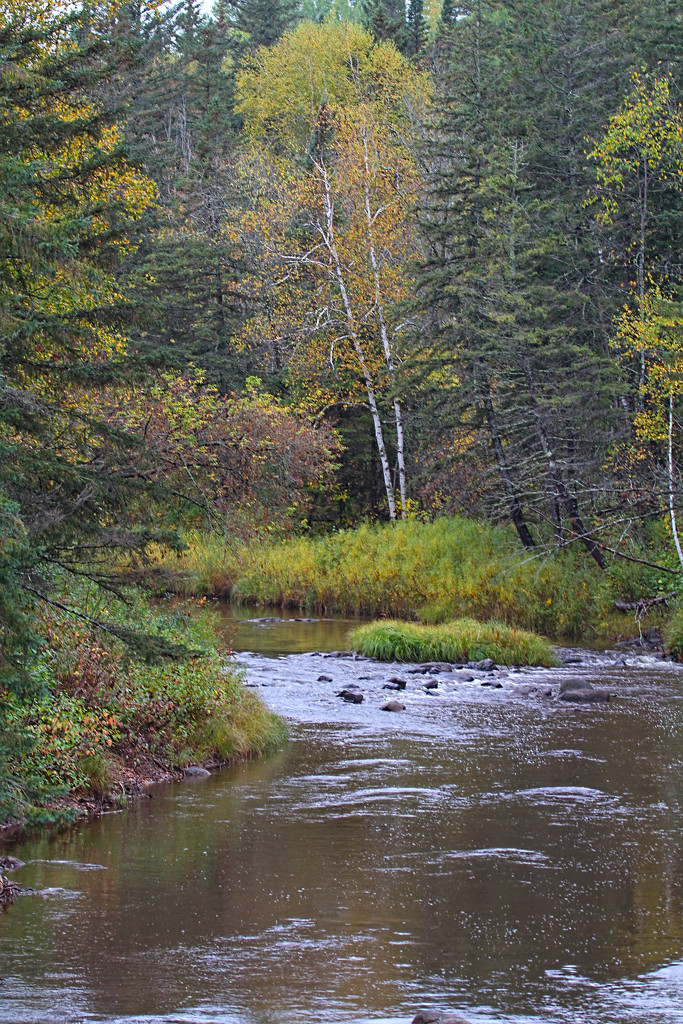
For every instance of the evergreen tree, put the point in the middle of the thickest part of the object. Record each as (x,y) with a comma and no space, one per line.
(264,21)
(416,29)
(386,20)
(514,268)
(68,201)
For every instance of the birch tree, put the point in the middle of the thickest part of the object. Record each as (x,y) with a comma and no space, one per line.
(338,221)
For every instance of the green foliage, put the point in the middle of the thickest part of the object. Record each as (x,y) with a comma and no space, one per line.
(673,634)
(460,641)
(103,711)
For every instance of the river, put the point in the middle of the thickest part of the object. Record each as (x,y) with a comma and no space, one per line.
(485,850)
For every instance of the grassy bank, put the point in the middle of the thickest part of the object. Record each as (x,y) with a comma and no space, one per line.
(436,572)
(108,721)
(461,641)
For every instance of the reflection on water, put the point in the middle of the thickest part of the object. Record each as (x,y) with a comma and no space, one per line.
(503,855)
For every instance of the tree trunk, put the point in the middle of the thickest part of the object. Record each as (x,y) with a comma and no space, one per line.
(514,506)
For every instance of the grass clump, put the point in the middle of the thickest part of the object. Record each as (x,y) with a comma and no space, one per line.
(459,641)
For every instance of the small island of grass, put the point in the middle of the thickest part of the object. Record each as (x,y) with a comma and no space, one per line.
(459,641)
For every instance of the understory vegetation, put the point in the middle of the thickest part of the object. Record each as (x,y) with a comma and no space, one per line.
(107,718)
(460,641)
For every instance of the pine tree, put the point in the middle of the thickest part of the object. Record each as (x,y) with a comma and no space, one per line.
(416,29)
(514,268)
(68,203)
(386,20)
(265,21)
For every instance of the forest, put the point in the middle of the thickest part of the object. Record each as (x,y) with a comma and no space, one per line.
(287,285)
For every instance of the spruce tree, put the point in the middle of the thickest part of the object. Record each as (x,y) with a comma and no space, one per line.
(386,19)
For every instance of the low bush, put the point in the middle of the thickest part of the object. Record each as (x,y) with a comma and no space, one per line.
(104,710)
(460,641)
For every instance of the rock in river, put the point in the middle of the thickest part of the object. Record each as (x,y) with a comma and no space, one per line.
(485,665)
(324,679)
(393,705)
(438,1017)
(581,691)
(352,696)
(195,771)
(594,695)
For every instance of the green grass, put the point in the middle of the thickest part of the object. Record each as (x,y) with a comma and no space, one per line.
(460,641)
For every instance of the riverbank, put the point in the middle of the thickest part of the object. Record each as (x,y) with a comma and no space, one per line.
(430,572)
(110,720)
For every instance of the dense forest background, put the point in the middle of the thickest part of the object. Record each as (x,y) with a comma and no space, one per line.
(286,267)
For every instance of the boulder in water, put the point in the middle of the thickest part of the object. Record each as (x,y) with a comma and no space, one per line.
(485,665)
(351,696)
(593,695)
(438,1017)
(393,705)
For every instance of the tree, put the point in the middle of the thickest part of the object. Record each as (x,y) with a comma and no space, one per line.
(639,177)
(340,226)
(511,284)
(68,200)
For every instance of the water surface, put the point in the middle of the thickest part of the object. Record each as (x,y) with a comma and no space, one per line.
(500,854)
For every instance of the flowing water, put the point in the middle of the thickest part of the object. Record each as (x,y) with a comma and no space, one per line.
(485,849)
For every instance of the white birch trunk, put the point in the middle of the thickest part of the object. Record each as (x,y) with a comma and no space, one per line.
(386,344)
(331,246)
(672,509)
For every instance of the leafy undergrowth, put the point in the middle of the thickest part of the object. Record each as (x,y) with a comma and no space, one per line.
(460,641)
(107,720)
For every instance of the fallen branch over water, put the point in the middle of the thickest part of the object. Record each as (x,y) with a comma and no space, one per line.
(644,604)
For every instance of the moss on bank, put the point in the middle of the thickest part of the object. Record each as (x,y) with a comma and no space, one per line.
(460,641)
(435,572)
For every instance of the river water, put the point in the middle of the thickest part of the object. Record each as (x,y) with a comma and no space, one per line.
(485,849)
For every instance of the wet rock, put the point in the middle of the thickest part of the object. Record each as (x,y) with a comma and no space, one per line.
(339,654)
(438,666)
(575,684)
(595,695)
(325,679)
(352,696)
(531,690)
(305,620)
(465,679)
(420,670)
(393,705)
(438,1017)
(620,662)
(431,684)
(485,665)
(493,683)
(399,683)
(267,618)
(195,771)
(569,659)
